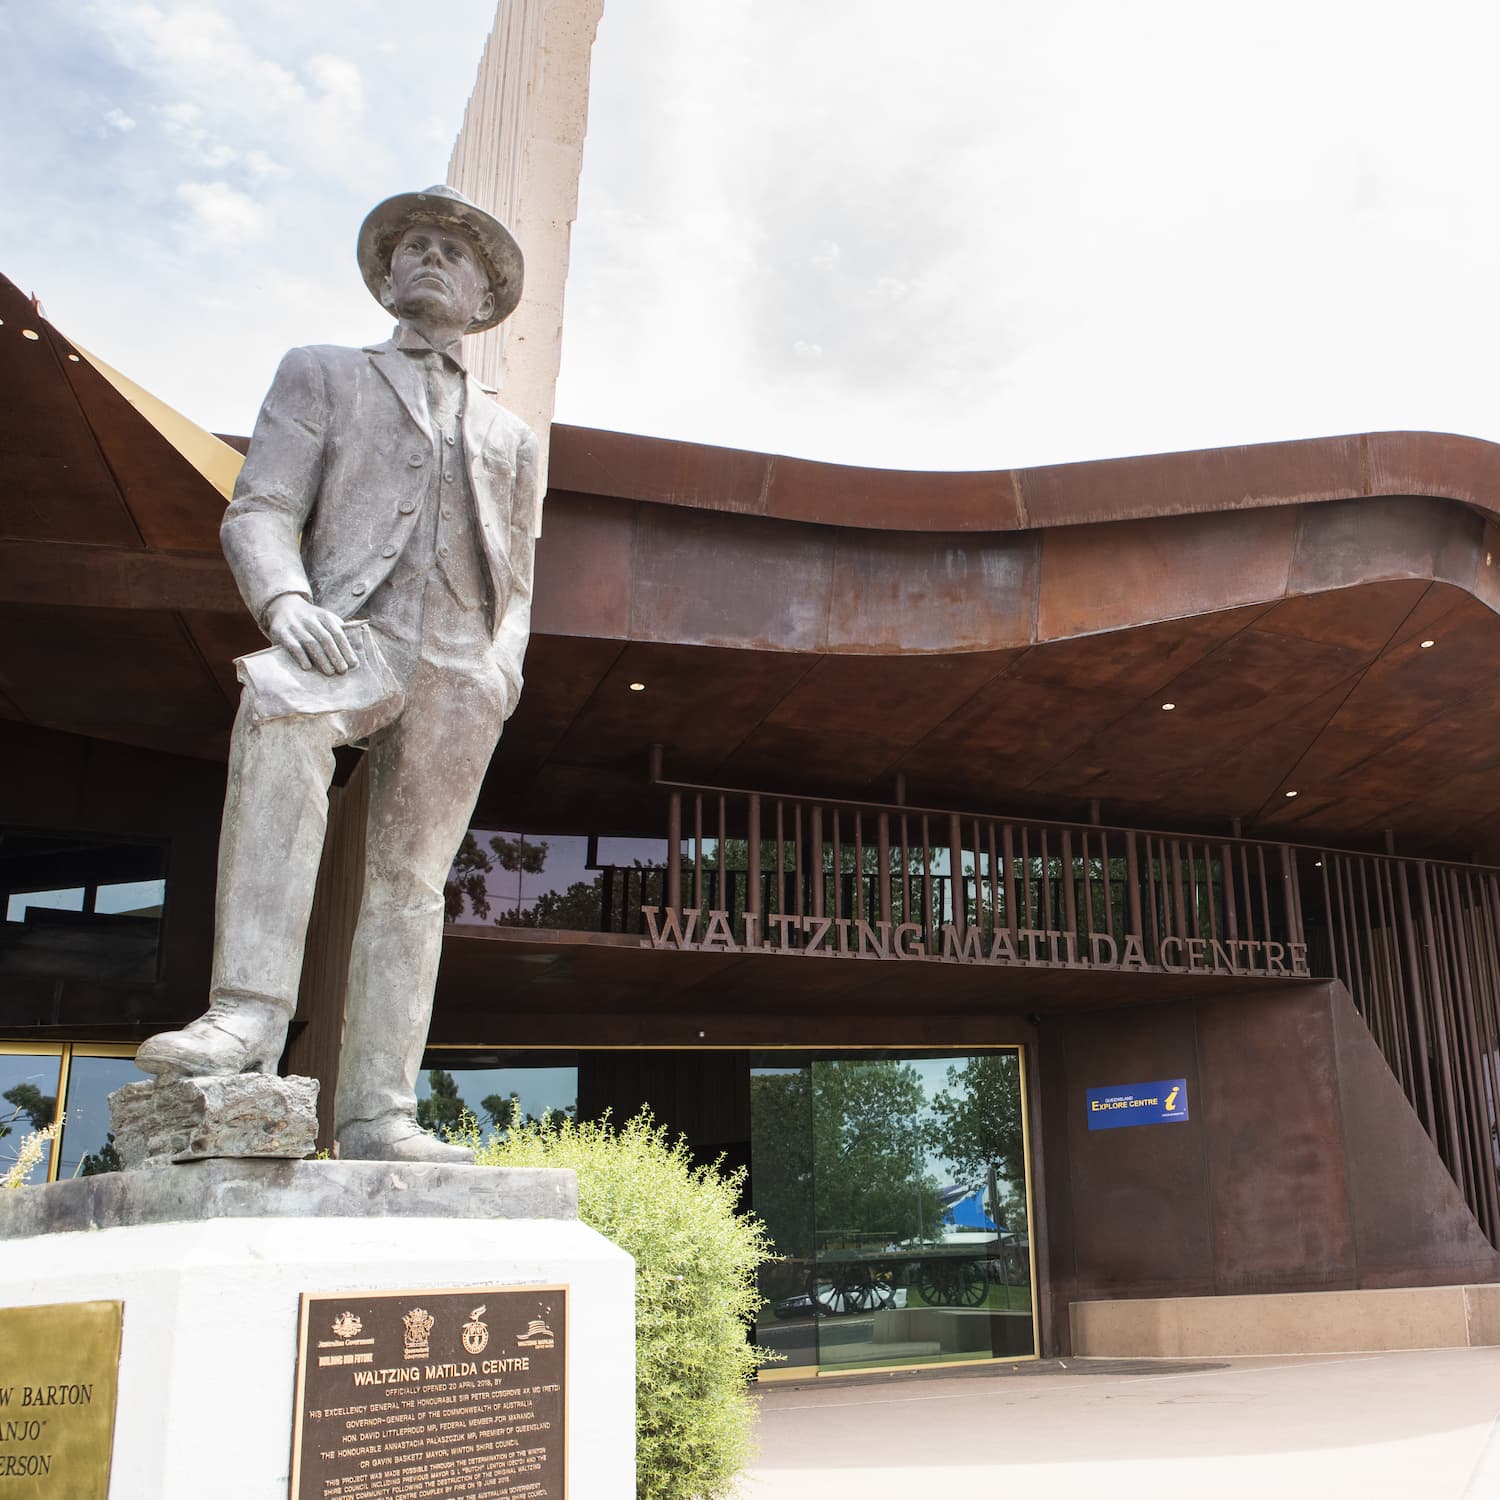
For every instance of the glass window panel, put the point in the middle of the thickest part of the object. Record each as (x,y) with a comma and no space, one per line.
(892,1184)
(81,906)
(781,1192)
(139,898)
(28,1102)
(87,1141)
(630,852)
(547,881)
(903,1218)
(520,1091)
(877,1209)
(524,880)
(20,901)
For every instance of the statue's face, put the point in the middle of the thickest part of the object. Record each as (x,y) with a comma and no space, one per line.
(437,275)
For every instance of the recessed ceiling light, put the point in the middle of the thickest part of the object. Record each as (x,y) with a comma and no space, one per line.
(1426,644)
(637,687)
(1168,707)
(30,333)
(1291,794)
(1317,864)
(74,358)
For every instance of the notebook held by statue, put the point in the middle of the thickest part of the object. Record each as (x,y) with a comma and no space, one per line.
(282,687)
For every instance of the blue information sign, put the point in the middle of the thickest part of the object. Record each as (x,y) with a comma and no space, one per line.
(1138,1104)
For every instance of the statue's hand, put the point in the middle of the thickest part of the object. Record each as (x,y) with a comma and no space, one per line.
(314,636)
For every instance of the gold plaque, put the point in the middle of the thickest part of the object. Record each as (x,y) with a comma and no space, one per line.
(59,1369)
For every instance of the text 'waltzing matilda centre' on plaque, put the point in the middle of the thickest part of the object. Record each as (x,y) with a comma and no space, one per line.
(406,1395)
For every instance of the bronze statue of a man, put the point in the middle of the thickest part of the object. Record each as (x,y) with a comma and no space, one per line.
(383,485)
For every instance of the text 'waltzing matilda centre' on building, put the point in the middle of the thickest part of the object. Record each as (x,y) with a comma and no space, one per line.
(1072,894)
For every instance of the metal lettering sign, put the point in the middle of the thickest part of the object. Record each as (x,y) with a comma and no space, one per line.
(59,1373)
(687,930)
(1138,1104)
(405,1395)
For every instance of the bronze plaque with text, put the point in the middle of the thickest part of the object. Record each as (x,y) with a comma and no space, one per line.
(432,1395)
(59,1371)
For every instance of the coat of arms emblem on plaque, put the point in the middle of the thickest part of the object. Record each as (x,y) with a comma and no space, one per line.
(418,1325)
(346,1325)
(476,1335)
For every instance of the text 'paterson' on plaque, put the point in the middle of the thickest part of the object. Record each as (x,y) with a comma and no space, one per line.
(422,1395)
(59,1373)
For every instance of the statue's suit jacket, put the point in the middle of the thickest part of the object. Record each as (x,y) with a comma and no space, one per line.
(340,465)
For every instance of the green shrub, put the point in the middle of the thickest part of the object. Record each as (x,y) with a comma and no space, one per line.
(695,1289)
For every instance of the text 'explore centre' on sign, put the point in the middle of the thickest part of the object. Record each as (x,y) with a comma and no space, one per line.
(1137,1104)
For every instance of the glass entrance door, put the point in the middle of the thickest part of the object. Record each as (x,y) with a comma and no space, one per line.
(894,1185)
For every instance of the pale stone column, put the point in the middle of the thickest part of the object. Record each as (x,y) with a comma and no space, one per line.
(519,154)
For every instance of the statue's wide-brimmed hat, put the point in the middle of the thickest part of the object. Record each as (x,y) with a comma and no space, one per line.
(445,209)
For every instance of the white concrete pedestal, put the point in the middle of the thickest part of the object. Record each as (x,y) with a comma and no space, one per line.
(211,1274)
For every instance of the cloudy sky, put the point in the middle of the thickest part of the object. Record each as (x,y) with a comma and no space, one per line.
(970,234)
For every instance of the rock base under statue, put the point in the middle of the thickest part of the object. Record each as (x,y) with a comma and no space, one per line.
(191,1119)
(468,1298)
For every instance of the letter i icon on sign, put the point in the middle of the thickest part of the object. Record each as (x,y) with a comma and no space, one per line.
(1172,1099)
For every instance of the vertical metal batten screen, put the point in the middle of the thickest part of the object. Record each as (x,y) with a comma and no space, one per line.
(765,856)
(1415,942)
(1417,945)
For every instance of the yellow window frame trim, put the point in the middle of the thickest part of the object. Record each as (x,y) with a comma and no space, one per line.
(64,1052)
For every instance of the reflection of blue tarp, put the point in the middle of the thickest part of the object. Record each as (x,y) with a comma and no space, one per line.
(968,1212)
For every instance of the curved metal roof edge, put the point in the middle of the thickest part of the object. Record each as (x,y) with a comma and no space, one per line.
(671,472)
(667,471)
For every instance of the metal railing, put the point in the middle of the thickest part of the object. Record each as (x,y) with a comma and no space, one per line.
(750,854)
(1415,942)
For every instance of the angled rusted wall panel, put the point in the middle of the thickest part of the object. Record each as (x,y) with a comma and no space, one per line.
(1303,1167)
(1278,1193)
(1411,1223)
(1134,1220)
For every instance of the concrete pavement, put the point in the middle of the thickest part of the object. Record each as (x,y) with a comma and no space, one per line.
(1421,1426)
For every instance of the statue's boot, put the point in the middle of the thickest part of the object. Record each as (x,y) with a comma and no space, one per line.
(397,1138)
(236,1034)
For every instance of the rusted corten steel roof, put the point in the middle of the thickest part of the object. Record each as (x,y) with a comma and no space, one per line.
(1003,640)
(118,615)
(1026,670)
